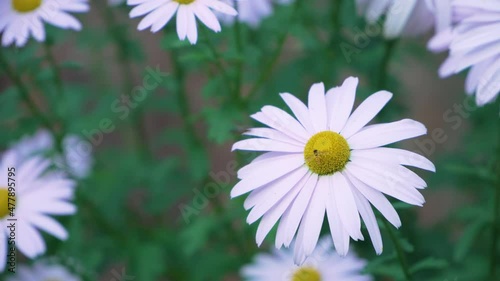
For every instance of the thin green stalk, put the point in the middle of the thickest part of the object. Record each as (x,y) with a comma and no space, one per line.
(268,69)
(239,50)
(399,251)
(218,58)
(137,129)
(25,95)
(495,231)
(55,68)
(384,65)
(182,100)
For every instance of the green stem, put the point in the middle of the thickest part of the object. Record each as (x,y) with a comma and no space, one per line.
(265,74)
(25,95)
(55,68)
(218,58)
(399,251)
(495,231)
(384,65)
(182,100)
(239,50)
(137,130)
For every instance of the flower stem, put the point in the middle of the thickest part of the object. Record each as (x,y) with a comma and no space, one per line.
(384,65)
(239,50)
(495,229)
(268,68)
(137,129)
(399,251)
(25,95)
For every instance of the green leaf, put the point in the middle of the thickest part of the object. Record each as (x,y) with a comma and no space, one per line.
(429,263)
(468,238)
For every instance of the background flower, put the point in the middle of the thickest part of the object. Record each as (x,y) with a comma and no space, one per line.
(323,264)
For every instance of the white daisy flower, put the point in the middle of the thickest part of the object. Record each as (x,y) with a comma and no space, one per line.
(328,160)
(43,271)
(406,18)
(251,12)
(20,19)
(473,40)
(159,13)
(322,265)
(38,195)
(79,162)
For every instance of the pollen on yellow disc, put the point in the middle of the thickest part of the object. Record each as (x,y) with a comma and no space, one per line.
(4,202)
(306,274)
(24,6)
(184,2)
(326,153)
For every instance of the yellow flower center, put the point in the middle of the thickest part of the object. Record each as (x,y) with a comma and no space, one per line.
(4,202)
(306,274)
(184,2)
(326,153)
(24,6)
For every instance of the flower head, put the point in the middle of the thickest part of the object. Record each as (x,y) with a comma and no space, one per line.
(322,265)
(79,161)
(251,12)
(30,195)
(159,12)
(43,271)
(403,18)
(20,19)
(327,161)
(472,38)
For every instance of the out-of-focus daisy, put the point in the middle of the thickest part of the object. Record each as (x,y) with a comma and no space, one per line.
(159,12)
(322,265)
(251,12)
(328,160)
(79,161)
(473,39)
(43,271)
(20,19)
(38,195)
(403,18)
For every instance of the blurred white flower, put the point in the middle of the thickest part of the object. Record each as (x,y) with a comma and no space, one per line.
(20,19)
(405,18)
(471,34)
(43,271)
(159,12)
(322,265)
(251,12)
(38,194)
(79,163)
(328,160)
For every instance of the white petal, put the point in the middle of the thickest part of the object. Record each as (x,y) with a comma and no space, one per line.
(274,192)
(365,112)
(263,175)
(378,200)
(339,233)
(311,224)
(272,216)
(300,111)
(340,101)
(366,212)
(346,206)
(317,107)
(260,144)
(383,134)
